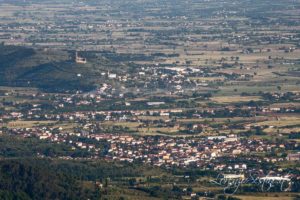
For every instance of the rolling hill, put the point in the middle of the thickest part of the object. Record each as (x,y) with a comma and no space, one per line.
(52,69)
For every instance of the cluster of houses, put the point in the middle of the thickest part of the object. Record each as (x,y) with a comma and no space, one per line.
(168,151)
(192,151)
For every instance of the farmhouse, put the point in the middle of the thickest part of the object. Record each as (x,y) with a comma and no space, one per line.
(293,156)
(80,60)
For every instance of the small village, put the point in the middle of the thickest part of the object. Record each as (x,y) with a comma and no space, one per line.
(152,100)
(118,135)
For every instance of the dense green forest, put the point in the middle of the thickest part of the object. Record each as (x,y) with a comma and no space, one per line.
(34,179)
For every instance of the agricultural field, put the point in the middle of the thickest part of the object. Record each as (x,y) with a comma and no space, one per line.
(149,99)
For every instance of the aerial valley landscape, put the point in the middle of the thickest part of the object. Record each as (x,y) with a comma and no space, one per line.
(149,99)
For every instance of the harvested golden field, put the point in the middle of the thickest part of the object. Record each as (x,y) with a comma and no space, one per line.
(153,118)
(281,122)
(255,197)
(283,130)
(123,124)
(207,78)
(233,99)
(28,124)
(153,130)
